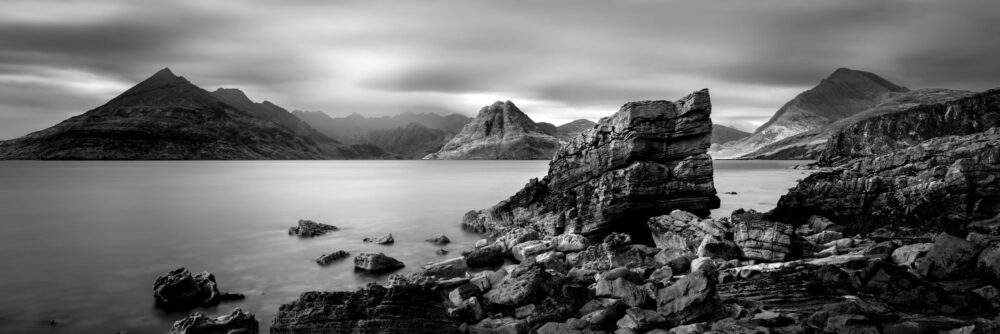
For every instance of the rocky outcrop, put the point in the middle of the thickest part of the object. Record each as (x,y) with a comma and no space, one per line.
(404,306)
(844,93)
(309,229)
(237,322)
(647,159)
(439,239)
(179,289)
(892,132)
(500,132)
(376,263)
(941,184)
(763,240)
(166,117)
(683,230)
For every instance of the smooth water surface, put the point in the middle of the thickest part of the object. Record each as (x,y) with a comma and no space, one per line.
(82,242)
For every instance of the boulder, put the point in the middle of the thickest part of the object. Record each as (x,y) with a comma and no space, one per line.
(381,240)
(179,289)
(500,326)
(571,242)
(824,237)
(199,323)
(678,260)
(908,255)
(376,262)
(713,247)
(439,239)
(481,243)
(553,260)
(309,229)
(988,262)
(949,257)
(525,285)
(683,230)
(450,268)
(531,248)
(641,320)
(327,259)
(763,240)
(629,293)
(486,256)
(409,305)
(689,300)
(647,159)
(516,236)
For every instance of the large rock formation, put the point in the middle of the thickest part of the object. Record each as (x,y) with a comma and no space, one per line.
(938,185)
(810,144)
(891,132)
(500,132)
(237,322)
(647,159)
(166,117)
(404,306)
(179,289)
(844,93)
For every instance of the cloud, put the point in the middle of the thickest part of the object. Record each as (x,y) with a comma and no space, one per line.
(558,60)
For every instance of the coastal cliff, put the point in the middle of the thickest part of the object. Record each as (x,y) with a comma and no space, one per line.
(646,159)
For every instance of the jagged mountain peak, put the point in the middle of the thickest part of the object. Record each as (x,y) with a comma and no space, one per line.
(164,78)
(500,131)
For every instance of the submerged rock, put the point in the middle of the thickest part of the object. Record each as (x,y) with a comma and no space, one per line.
(439,239)
(238,321)
(327,259)
(381,240)
(376,262)
(647,159)
(179,289)
(309,229)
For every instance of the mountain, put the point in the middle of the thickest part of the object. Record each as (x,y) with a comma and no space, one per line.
(548,128)
(724,134)
(354,128)
(844,93)
(500,132)
(166,117)
(412,141)
(810,144)
(569,130)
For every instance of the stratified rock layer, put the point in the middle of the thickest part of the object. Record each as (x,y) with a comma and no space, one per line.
(645,160)
(938,185)
(404,306)
(891,132)
(238,321)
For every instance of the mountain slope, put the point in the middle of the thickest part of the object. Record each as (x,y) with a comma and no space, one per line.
(844,93)
(500,132)
(166,117)
(808,145)
(412,141)
(354,128)
(724,134)
(569,130)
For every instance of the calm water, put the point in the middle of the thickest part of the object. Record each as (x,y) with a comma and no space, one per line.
(82,242)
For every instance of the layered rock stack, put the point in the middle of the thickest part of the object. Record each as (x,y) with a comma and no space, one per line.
(938,185)
(647,159)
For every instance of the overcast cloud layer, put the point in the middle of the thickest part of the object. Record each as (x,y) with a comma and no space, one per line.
(558,60)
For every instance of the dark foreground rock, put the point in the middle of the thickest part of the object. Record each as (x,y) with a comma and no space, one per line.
(327,259)
(942,184)
(179,289)
(381,240)
(645,160)
(376,263)
(237,322)
(404,306)
(309,229)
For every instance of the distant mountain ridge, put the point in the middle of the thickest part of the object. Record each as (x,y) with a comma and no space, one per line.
(844,93)
(166,117)
(500,131)
(354,128)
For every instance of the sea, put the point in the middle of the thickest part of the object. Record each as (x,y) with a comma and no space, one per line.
(82,242)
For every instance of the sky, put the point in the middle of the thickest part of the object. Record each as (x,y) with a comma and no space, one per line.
(557,60)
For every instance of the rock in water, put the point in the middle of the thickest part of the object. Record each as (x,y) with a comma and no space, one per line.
(381,240)
(237,322)
(939,185)
(439,239)
(500,132)
(179,289)
(376,262)
(309,229)
(404,306)
(645,160)
(326,259)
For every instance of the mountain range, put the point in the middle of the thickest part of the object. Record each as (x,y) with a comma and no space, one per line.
(166,117)
(500,131)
